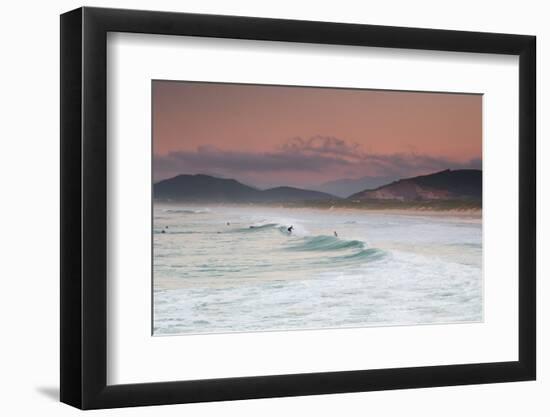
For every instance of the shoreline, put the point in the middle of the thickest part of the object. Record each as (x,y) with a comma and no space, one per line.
(394,208)
(463,213)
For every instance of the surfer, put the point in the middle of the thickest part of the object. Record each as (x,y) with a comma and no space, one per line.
(335,234)
(228,223)
(290,229)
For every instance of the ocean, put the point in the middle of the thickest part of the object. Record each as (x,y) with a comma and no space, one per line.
(220,269)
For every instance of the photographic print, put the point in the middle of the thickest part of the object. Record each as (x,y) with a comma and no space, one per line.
(281,208)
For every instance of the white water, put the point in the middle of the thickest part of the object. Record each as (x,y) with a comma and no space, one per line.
(382,269)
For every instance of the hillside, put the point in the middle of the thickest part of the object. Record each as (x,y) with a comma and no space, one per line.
(205,188)
(346,186)
(463,184)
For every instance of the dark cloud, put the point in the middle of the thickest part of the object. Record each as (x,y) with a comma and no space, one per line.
(318,154)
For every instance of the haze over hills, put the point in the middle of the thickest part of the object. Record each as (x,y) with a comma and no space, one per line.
(347,186)
(461,184)
(205,188)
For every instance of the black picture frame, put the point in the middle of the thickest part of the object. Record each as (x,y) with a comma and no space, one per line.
(84,208)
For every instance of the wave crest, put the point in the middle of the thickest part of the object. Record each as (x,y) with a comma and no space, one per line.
(347,251)
(258,228)
(326,243)
(371,254)
(187,211)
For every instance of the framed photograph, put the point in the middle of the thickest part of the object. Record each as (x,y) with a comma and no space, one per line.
(259,208)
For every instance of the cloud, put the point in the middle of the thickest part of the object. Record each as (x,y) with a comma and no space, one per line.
(323,156)
(323,145)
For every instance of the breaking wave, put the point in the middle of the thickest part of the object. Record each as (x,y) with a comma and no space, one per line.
(347,251)
(258,228)
(326,243)
(187,211)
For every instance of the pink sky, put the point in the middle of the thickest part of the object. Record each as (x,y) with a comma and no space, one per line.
(274,135)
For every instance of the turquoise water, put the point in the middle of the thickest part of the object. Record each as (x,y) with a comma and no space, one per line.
(238,269)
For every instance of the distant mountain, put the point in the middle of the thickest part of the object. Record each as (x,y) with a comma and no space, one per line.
(347,186)
(294,194)
(461,184)
(205,188)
